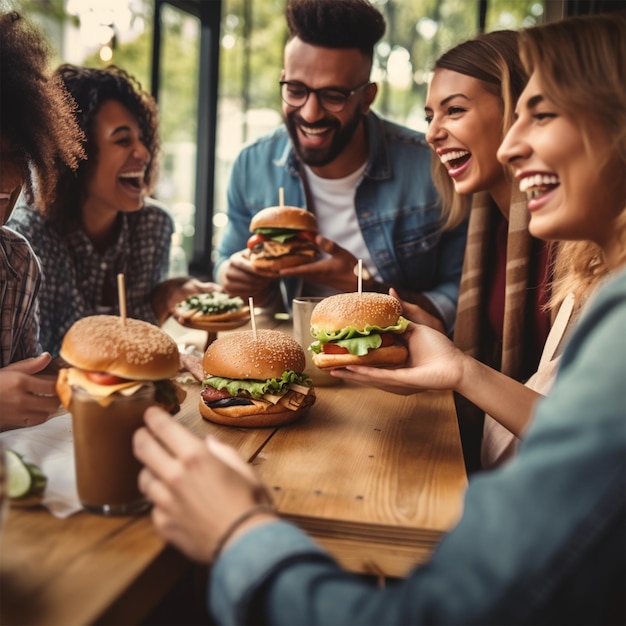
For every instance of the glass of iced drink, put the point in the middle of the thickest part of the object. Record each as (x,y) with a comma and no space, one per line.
(302,309)
(106,469)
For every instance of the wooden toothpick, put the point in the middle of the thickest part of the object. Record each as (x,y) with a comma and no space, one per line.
(252,318)
(121,294)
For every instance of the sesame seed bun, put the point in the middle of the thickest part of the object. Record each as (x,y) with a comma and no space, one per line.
(387,355)
(284,217)
(259,414)
(356,309)
(135,350)
(239,355)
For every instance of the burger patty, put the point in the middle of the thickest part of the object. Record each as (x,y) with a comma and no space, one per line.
(220,397)
(292,247)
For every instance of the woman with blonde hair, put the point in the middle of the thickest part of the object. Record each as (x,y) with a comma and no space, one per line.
(506,305)
(502,318)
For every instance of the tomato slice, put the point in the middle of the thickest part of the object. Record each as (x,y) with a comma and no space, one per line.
(102,378)
(387,339)
(333,348)
(256,239)
(307,234)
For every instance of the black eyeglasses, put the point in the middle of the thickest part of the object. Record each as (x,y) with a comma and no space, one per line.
(331,99)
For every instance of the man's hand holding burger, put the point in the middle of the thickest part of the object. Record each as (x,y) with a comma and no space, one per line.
(240,278)
(334,269)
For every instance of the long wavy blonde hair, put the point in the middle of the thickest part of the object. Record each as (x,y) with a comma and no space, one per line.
(581,62)
(493,59)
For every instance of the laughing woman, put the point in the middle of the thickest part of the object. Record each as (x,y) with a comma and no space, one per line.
(501,316)
(505,305)
(102,221)
(540,541)
(37,129)
(588,192)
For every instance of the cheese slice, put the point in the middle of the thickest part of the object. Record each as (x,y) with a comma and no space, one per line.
(294,390)
(102,393)
(292,401)
(303,389)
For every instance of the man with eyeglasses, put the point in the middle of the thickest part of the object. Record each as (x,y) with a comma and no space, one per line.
(366,179)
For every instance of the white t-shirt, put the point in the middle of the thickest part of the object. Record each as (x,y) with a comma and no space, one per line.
(334,209)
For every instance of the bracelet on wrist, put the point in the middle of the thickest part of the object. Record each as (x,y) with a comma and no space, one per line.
(257,509)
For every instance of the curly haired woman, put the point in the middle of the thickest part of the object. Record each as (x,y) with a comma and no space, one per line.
(37,129)
(102,221)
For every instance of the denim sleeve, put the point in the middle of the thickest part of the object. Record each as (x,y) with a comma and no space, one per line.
(251,559)
(540,541)
(237,231)
(450,264)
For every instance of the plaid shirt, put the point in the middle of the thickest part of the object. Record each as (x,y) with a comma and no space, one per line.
(75,274)
(20,279)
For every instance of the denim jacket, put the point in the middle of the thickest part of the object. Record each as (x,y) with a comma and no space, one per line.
(540,541)
(397,206)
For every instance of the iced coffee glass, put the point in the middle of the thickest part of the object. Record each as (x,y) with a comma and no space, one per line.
(302,309)
(106,469)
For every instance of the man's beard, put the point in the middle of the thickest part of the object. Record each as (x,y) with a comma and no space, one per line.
(318,157)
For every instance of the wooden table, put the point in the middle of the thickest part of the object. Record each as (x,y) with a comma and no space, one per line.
(376,478)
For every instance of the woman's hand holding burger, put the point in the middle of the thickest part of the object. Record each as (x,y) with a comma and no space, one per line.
(197,488)
(434,362)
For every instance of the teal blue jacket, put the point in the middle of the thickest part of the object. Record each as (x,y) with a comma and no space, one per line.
(541,541)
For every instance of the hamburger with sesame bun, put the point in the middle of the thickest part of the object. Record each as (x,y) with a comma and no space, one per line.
(358,329)
(283,236)
(255,380)
(108,356)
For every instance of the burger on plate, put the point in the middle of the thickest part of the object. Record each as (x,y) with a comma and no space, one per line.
(205,309)
(108,357)
(358,329)
(284,236)
(255,381)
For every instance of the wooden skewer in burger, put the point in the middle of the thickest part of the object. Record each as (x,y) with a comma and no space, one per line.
(255,378)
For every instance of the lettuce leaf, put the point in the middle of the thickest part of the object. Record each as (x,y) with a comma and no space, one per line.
(278,234)
(258,388)
(357,342)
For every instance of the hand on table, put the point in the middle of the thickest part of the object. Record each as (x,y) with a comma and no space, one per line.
(197,488)
(27,399)
(434,362)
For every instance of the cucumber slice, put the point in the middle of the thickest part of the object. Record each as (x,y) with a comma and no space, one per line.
(23,479)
